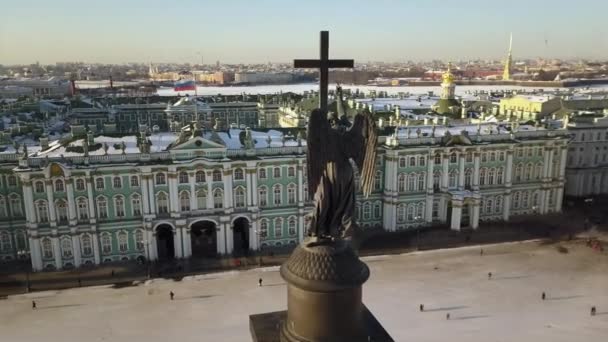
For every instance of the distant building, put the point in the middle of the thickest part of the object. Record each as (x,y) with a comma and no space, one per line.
(39,87)
(262,78)
(130,116)
(529,107)
(268,114)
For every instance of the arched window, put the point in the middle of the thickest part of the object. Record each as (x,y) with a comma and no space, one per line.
(62,211)
(291,226)
(436,180)
(184,201)
(367,211)
(378,180)
(468,178)
(139,240)
(412,161)
(16,205)
(528,175)
(12,180)
(123,242)
(183,177)
(5,241)
(402,162)
(239,197)
(238,174)
(453,158)
(482,176)
(538,174)
(377,210)
(86,245)
(516,199)
(43,211)
(59,186)
(263,228)
(525,199)
(438,159)
(484,157)
(102,207)
(99,183)
(277,193)
(492,156)
(276,172)
(39,187)
(117,182)
(218,198)
(200,177)
(421,181)
(262,173)
(401,182)
(469,157)
(83,209)
(47,248)
(20,240)
(401,212)
(217,175)
(453,179)
(134,181)
(420,211)
(119,206)
(80,185)
(3,211)
(161,179)
(291,194)
(66,247)
(422,161)
(291,171)
(106,243)
(136,205)
(162,205)
(201,199)
(278,227)
(491,176)
(263,196)
(518,172)
(489,206)
(411,182)
(410,212)
(535,199)
(498,205)
(499,176)
(306,195)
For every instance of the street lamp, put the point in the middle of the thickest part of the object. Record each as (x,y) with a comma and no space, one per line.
(25,255)
(147,243)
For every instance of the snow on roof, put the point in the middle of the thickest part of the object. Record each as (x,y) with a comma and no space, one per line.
(535,98)
(410,102)
(232,141)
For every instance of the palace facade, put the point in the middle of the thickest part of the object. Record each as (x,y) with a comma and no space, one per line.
(103,199)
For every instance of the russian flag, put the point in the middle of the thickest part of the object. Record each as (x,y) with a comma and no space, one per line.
(183,85)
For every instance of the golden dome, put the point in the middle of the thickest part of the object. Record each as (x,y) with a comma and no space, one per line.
(448,77)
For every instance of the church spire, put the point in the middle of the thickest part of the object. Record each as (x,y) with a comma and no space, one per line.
(506,74)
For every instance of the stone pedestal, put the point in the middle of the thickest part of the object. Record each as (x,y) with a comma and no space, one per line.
(324,280)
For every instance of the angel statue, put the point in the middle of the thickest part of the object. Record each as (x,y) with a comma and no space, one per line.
(331,177)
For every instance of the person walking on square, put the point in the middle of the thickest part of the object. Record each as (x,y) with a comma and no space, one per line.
(489,275)
(171,294)
(260,282)
(544,296)
(421,307)
(593,311)
(33,305)
(447,316)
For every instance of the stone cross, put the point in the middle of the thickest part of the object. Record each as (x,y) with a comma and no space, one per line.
(323,64)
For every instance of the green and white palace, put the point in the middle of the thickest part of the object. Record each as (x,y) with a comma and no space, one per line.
(95,199)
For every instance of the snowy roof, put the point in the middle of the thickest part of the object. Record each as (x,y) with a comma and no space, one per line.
(410,102)
(232,141)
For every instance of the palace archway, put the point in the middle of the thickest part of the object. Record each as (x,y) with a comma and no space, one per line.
(240,236)
(203,237)
(164,242)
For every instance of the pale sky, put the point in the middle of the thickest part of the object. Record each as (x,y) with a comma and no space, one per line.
(249,31)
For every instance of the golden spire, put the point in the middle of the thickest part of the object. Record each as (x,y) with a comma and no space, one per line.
(506,74)
(448,77)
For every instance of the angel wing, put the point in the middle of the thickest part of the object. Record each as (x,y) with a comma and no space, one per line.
(316,141)
(363,140)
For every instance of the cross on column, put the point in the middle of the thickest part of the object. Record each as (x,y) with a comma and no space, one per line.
(323,64)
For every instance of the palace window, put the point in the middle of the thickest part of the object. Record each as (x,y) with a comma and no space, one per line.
(453,178)
(218,199)
(516,200)
(412,161)
(47,248)
(86,245)
(367,211)
(238,174)
(291,194)
(161,203)
(492,156)
(420,211)
(436,180)
(518,172)
(39,187)
(378,180)
(453,158)
(106,243)
(491,175)
(43,211)
(401,182)
(102,207)
(134,181)
(201,199)
(161,179)
(20,240)
(306,195)
(278,227)
(117,182)
(438,159)
(239,197)
(410,212)
(422,161)
(264,228)
(263,196)
(83,209)
(62,211)
(119,206)
(525,199)
(12,180)
(136,205)
(139,240)
(469,157)
(489,205)
(498,205)
(2,207)
(217,175)
(291,226)
(468,176)
(501,156)
(276,191)
(528,174)
(16,205)
(5,241)
(183,177)
(276,172)
(499,176)
(421,181)
(401,212)
(59,186)
(435,210)
(99,183)
(184,201)
(402,162)
(80,185)
(291,171)
(123,242)
(262,173)
(377,210)
(66,247)
(411,182)
(535,199)
(200,177)
(484,157)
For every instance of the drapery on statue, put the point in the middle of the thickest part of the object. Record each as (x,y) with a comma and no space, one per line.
(331,177)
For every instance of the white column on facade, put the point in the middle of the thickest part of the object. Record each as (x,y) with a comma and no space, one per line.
(506,206)
(221,239)
(389,192)
(76,250)
(461,170)
(456,214)
(145,194)
(248,190)
(209,190)
(153,249)
(562,162)
(71,201)
(51,200)
(474,219)
(186,241)
(28,201)
(192,182)
(96,253)
(228,188)
(546,162)
(173,196)
(445,163)
(509,171)
(35,253)
(229,237)
(300,182)
(476,165)
(151,194)
(57,252)
(301,227)
(254,188)
(90,198)
(177,242)
(253,235)
(428,215)
(559,198)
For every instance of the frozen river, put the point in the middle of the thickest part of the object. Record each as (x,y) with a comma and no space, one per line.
(215,307)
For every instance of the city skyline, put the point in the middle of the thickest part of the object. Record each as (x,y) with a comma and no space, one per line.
(273,31)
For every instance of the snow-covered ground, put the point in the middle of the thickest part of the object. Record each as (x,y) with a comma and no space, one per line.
(215,307)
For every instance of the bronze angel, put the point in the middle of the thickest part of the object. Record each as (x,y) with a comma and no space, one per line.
(331,177)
